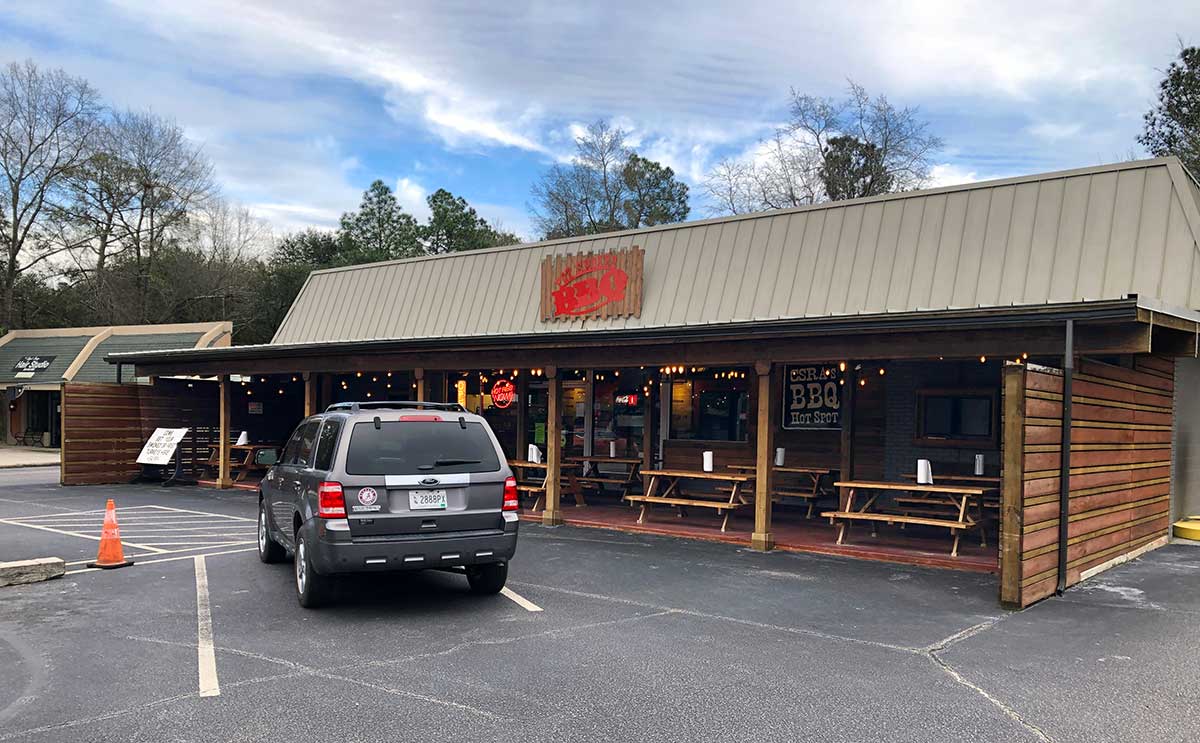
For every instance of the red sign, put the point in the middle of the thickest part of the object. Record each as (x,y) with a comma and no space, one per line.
(503,393)
(631,400)
(607,284)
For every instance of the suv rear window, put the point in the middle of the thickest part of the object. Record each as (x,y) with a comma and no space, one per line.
(413,448)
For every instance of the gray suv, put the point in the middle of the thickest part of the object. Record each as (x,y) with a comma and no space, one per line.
(382,486)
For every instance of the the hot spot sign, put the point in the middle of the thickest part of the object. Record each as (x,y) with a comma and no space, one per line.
(605,284)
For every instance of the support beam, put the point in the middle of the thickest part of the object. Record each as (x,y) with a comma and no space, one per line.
(310,393)
(764,484)
(1013,485)
(1064,473)
(552,515)
(224,478)
(847,420)
(422,390)
(589,417)
(522,383)
(647,428)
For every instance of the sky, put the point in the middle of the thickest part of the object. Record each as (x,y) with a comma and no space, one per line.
(302,104)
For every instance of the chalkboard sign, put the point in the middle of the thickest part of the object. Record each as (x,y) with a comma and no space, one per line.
(812,397)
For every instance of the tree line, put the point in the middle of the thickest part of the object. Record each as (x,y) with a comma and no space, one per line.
(114,217)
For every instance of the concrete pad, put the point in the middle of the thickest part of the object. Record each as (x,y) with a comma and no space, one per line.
(28,456)
(31,571)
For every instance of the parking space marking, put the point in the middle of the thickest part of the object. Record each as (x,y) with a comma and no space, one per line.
(151,529)
(519,600)
(206,658)
(169,559)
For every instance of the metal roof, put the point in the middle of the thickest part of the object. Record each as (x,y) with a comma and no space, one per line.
(1096,233)
(63,348)
(96,369)
(79,352)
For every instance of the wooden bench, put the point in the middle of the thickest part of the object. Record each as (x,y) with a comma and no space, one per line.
(537,488)
(681,503)
(928,498)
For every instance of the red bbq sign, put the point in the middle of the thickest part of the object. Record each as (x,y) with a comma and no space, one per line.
(605,284)
(504,392)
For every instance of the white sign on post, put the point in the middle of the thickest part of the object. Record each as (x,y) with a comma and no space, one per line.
(161,446)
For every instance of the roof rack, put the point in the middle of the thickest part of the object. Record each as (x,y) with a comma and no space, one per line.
(354,407)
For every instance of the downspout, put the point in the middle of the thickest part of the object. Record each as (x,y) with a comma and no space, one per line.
(118,372)
(1064,471)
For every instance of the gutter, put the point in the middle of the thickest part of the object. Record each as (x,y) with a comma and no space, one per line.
(972,319)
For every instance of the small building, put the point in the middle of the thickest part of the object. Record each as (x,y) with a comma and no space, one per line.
(34,365)
(1025,337)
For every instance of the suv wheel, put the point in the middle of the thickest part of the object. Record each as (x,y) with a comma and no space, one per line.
(268,549)
(487,579)
(312,588)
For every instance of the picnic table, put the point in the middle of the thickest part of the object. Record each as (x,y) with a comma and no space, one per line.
(527,483)
(625,482)
(673,478)
(955,498)
(810,494)
(991,498)
(243,459)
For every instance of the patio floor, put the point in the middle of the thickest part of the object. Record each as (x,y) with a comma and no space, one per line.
(910,546)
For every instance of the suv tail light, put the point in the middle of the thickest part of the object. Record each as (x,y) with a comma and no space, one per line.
(511,503)
(330,502)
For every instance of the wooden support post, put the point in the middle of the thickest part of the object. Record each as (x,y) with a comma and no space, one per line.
(310,393)
(846,470)
(764,435)
(552,515)
(422,391)
(522,382)
(224,478)
(647,431)
(1012,491)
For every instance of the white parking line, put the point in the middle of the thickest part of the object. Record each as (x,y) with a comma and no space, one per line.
(206,657)
(519,600)
(94,538)
(169,559)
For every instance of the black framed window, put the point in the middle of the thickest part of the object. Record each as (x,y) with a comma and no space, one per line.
(956,417)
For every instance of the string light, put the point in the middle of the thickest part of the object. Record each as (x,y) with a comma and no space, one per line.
(841,366)
(881,371)
(1024,356)
(983,359)
(358,374)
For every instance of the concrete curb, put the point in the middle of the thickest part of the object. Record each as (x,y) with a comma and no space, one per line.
(31,571)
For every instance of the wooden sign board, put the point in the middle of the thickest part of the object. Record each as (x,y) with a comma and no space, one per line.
(160,447)
(602,285)
(812,397)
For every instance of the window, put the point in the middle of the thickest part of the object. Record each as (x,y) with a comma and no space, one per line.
(709,405)
(308,440)
(327,444)
(414,448)
(956,417)
(293,447)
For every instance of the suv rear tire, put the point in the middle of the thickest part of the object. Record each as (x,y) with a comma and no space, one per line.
(312,588)
(269,550)
(488,579)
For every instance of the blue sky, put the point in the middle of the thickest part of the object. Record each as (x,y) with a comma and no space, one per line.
(302,104)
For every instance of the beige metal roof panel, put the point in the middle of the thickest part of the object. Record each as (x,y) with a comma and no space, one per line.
(1089,234)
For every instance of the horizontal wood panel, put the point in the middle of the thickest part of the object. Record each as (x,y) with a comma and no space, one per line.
(1120,468)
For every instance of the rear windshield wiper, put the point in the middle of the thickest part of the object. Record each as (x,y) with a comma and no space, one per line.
(448,462)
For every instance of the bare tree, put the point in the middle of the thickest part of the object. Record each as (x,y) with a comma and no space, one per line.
(47,119)
(170,177)
(797,164)
(606,187)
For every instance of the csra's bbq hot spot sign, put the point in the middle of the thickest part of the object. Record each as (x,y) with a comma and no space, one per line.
(599,285)
(812,397)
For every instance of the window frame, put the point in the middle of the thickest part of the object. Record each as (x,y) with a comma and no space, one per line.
(962,442)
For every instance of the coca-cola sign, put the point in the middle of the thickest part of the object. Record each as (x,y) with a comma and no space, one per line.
(605,284)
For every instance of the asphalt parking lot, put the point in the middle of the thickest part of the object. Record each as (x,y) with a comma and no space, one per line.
(606,636)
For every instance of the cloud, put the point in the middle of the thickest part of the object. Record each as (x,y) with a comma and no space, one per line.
(302,103)
(1053,132)
(411,196)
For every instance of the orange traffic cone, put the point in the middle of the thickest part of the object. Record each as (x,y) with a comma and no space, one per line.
(110,555)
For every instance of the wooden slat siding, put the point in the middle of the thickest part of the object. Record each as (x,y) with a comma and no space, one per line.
(630,260)
(1012,453)
(105,426)
(1121,439)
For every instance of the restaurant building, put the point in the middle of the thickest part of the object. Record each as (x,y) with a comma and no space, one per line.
(789,369)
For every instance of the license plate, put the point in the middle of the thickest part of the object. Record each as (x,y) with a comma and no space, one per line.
(426,499)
